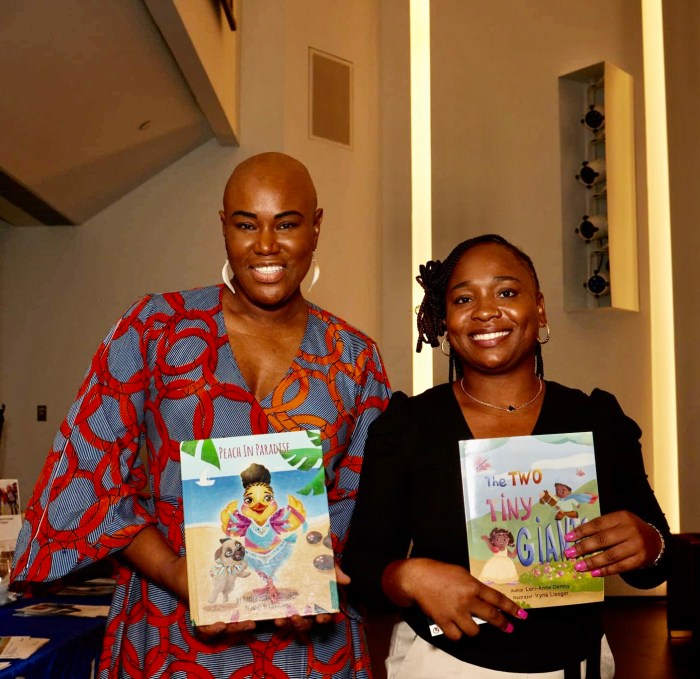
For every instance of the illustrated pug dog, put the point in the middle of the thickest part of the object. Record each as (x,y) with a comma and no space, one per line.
(229,564)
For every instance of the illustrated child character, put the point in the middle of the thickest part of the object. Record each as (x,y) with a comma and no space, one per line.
(267,529)
(499,568)
(566,503)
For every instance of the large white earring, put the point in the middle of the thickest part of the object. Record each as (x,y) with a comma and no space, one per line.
(316,273)
(227,275)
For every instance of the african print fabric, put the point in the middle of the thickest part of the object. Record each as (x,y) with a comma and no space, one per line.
(166,373)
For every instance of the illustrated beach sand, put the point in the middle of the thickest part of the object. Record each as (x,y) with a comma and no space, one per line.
(313,587)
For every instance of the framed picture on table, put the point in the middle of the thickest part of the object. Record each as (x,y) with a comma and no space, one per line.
(10,516)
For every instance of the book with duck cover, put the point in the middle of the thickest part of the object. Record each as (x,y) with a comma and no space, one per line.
(257,528)
(522,494)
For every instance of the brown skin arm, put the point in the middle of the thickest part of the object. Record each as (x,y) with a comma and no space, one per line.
(625,543)
(449,595)
(154,558)
(151,555)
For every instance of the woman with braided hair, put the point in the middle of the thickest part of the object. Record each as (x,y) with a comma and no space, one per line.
(432,312)
(484,308)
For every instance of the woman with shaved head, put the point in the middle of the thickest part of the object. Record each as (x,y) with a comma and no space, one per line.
(249,356)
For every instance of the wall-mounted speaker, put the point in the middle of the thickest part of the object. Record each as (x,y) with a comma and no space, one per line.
(594,118)
(592,227)
(591,172)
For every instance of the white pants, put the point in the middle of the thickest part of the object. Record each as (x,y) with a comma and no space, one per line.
(410,657)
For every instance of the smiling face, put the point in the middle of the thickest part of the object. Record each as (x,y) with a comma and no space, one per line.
(271,225)
(500,540)
(259,503)
(562,491)
(493,310)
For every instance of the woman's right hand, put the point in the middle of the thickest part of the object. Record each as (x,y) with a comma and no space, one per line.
(175,573)
(220,632)
(153,557)
(449,595)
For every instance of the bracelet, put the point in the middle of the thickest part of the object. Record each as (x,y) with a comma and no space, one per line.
(655,562)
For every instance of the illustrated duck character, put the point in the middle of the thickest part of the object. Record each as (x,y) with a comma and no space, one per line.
(267,529)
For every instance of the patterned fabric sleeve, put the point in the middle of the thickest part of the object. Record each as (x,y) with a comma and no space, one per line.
(372,397)
(373,543)
(88,500)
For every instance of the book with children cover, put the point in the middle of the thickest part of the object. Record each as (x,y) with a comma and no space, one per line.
(522,494)
(257,529)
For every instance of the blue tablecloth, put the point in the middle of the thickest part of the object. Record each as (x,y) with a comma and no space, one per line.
(74,645)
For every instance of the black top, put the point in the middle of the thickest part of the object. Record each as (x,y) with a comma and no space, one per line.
(411,492)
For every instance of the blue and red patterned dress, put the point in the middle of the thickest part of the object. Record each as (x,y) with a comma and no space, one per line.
(166,373)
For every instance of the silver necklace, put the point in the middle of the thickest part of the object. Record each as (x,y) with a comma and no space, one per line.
(507,409)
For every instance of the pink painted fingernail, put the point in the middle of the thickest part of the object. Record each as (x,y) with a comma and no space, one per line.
(570,552)
(580,566)
(522,614)
(570,536)
(595,573)
(510,628)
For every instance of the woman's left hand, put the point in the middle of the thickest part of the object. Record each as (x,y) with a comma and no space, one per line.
(613,543)
(301,625)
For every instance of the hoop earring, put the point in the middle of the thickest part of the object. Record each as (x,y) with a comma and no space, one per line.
(546,339)
(227,275)
(442,346)
(316,273)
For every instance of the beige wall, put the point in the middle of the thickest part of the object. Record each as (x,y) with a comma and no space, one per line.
(495,167)
(398,316)
(496,162)
(63,287)
(682,36)
(347,180)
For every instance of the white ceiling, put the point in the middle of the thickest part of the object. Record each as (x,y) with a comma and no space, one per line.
(93,103)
